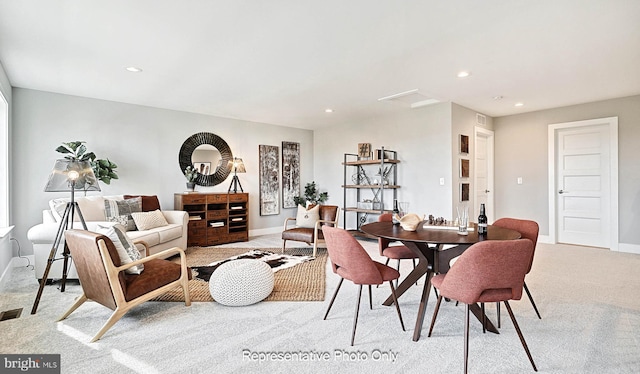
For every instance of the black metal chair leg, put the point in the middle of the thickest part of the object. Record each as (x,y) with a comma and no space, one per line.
(484,329)
(531,299)
(370,299)
(355,317)
(466,337)
(524,343)
(435,315)
(333,298)
(395,301)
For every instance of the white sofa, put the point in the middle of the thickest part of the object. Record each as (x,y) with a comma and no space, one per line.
(43,235)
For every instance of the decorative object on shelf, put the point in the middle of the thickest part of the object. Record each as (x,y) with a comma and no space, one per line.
(410,221)
(237,166)
(69,174)
(290,173)
(464,191)
(104,170)
(364,150)
(202,148)
(368,204)
(381,177)
(464,144)
(378,154)
(269,185)
(464,168)
(311,196)
(191,174)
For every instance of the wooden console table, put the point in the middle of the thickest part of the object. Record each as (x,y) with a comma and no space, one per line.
(215,218)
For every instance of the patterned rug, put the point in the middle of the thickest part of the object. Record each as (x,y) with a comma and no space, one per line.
(298,277)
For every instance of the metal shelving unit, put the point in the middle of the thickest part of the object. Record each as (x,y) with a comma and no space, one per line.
(372,180)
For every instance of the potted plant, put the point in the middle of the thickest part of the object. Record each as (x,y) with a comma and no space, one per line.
(311,195)
(77,151)
(191,174)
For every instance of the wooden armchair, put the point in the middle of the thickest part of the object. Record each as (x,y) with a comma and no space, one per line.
(104,281)
(329,215)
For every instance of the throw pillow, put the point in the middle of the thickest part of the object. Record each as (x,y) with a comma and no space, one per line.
(127,251)
(307,217)
(120,211)
(149,220)
(149,202)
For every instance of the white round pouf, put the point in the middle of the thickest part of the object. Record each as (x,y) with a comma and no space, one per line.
(241,282)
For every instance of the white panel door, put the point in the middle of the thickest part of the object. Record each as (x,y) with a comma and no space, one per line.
(483,173)
(583,188)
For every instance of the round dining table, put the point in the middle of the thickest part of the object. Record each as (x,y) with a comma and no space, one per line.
(434,246)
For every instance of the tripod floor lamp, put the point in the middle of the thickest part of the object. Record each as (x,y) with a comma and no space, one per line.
(237,166)
(67,175)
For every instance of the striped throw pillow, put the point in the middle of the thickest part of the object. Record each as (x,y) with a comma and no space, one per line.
(149,220)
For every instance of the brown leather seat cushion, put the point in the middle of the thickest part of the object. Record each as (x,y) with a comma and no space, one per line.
(300,234)
(157,273)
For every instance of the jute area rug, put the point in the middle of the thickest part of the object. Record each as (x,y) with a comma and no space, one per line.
(303,282)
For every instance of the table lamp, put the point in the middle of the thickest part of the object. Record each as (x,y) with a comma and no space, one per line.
(237,166)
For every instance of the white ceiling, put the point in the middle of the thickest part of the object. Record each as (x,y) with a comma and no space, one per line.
(285,62)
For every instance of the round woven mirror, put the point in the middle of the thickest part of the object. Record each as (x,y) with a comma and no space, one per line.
(218,172)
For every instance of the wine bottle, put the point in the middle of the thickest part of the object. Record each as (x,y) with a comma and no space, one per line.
(396,212)
(482,221)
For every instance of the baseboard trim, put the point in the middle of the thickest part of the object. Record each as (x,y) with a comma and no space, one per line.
(622,247)
(629,248)
(267,231)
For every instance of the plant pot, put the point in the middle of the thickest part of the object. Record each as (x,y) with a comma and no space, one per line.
(191,186)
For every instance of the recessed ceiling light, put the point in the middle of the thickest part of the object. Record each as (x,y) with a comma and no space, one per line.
(518,104)
(463,74)
(133,69)
(328,110)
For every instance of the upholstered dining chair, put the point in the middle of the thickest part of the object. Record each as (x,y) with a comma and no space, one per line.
(396,252)
(103,278)
(488,271)
(328,215)
(350,261)
(528,230)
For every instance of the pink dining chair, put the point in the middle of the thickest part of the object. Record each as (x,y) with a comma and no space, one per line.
(528,230)
(350,261)
(396,252)
(488,271)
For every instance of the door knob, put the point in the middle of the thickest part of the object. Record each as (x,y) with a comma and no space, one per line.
(561,192)
(486,191)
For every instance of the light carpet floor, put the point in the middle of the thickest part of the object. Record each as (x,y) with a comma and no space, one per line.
(588,299)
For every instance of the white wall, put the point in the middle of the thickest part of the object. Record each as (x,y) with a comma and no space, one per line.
(422,138)
(144,142)
(5,248)
(521,150)
(463,122)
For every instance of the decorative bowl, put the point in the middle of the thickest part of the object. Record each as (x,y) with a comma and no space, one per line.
(410,222)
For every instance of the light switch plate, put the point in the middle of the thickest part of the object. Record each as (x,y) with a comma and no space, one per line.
(442,181)
(519,180)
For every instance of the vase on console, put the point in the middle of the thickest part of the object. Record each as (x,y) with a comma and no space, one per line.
(191,186)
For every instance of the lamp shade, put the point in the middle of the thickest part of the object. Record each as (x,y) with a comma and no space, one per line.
(237,166)
(68,174)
